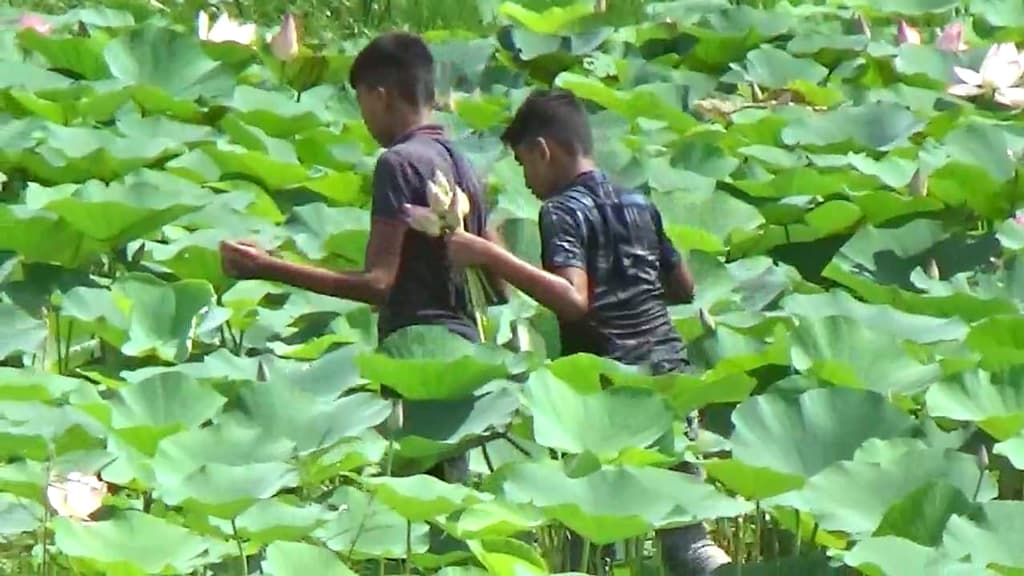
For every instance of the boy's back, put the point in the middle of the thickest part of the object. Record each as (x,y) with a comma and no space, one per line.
(617,236)
(423,292)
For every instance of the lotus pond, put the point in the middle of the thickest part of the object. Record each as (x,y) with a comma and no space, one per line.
(843,177)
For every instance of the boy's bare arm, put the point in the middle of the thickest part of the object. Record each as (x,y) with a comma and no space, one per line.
(679,285)
(371,285)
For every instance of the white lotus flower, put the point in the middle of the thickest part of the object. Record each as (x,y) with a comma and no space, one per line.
(1000,70)
(225,29)
(78,496)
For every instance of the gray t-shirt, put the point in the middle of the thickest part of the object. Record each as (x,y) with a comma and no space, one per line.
(425,291)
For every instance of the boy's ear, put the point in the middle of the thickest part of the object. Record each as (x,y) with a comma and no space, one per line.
(543,150)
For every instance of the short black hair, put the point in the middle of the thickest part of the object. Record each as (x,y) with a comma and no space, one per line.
(398,61)
(555,115)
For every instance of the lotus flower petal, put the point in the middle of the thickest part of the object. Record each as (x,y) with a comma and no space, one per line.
(1013,96)
(35,22)
(968,76)
(965,90)
(907,34)
(439,193)
(423,219)
(1001,66)
(78,496)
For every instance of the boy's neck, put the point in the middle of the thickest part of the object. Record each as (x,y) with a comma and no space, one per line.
(408,120)
(572,169)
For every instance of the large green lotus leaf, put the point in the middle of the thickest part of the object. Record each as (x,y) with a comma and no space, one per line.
(994,401)
(686,393)
(849,353)
(999,341)
(131,543)
(257,140)
(494,519)
(854,496)
(770,67)
(319,231)
(223,490)
(433,428)
(276,113)
(164,58)
(989,536)
(751,482)
(235,161)
(421,497)
(29,384)
(115,213)
(21,332)
(368,528)
(279,519)
(298,559)
(802,435)
(165,129)
(904,7)
(149,410)
(876,125)
(614,503)
(74,154)
(922,515)
(27,76)
(660,101)
(35,430)
(604,423)
(18,516)
(432,363)
(311,423)
(42,236)
(81,56)
(509,557)
(894,556)
(162,316)
(982,145)
(705,221)
(881,318)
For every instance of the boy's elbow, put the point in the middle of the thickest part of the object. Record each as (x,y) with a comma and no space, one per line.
(575,309)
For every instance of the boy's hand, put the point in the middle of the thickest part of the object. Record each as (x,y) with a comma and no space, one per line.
(465,249)
(243,259)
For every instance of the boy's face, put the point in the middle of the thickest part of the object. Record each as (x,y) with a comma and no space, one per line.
(373,105)
(535,158)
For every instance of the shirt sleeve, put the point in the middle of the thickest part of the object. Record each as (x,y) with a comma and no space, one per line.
(668,256)
(562,237)
(391,188)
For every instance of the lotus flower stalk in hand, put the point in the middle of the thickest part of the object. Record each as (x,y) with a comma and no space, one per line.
(225,29)
(1000,70)
(77,496)
(446,211)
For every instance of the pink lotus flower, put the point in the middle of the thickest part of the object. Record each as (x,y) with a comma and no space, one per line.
(35,22)
(951,39)
(285,44)
(1019,219)
(907,34)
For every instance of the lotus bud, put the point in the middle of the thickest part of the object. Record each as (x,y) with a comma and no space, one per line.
(285,44)
(981,458)
(919,184)
(35,22)
(458,209)
(261,372)
(932,269)
(397,417)
(863,25)
(707,320)
(78,496)
(423,220)
(951,39)
(907,34)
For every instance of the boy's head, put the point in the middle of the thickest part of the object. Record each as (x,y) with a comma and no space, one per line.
(549,134)
(393,77)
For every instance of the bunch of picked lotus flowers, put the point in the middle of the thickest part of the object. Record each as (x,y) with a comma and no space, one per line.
(446,211)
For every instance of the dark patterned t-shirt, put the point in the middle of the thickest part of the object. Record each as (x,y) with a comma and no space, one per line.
(616,236)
